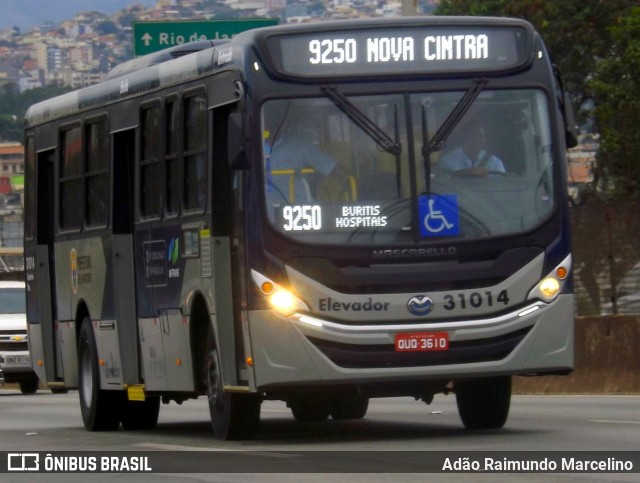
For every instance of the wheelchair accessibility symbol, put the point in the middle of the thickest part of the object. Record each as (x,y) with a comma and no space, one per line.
(439,215)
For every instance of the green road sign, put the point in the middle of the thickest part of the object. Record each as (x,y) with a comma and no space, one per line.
(150,37)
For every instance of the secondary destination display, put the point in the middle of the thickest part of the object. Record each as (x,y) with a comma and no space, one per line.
(333,218)
(404,51)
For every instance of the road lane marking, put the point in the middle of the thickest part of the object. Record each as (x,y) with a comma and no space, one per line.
(611,421)
(179,447)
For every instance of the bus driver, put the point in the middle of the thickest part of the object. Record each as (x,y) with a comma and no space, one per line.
(470,159)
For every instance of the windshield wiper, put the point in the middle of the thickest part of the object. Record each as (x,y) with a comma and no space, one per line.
(439,139)
(383,141)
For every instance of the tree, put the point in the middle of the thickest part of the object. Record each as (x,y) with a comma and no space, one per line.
(576,32)
(13,107)
(616,85)
(107,27)
(597,49)
(10,130)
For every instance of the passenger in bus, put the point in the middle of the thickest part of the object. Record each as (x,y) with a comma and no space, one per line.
(295,163)
(470,159)
(302,160)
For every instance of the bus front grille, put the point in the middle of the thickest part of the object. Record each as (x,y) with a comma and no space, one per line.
(358,356)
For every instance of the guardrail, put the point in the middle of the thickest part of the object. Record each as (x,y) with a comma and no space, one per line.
(8,251)
(607,360)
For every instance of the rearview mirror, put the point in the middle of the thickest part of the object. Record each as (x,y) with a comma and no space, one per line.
(571,130)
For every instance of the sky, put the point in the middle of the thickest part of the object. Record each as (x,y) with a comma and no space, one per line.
(28,13)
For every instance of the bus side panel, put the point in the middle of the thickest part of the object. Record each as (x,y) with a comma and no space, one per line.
(63,281)
(67,353)
(109,352)
(85,283)
(223,293)
(154,371)
(36,351)
(166,355)
(170,262)
(40,317)
(125,308)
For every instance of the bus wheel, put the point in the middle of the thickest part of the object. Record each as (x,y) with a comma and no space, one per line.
(350,407)
(233,416)
(309,410)
(484,403)
(137,415)
(29,386)
(100,409)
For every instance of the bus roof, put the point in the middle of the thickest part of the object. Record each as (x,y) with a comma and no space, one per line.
(282,49)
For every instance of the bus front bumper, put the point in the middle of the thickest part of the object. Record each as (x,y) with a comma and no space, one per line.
(304,349)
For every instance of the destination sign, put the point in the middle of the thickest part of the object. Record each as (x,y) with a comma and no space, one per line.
(340,217)
(435,49)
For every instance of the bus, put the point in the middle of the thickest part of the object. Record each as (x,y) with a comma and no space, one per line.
(285,215)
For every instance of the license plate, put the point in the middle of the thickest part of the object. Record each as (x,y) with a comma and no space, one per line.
(17,360)
(422,341)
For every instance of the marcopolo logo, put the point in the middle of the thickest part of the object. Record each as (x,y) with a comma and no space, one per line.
(420,305)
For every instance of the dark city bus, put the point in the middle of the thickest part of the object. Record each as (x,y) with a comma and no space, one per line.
(319,214)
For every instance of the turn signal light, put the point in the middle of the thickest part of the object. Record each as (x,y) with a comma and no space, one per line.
(562,273)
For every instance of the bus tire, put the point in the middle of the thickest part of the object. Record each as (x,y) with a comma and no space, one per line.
(484,403)
(100,409)
(233,416)
(140,415)
(29,386)
(349,407)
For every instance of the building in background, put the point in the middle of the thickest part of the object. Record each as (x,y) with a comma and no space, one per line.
(11,207)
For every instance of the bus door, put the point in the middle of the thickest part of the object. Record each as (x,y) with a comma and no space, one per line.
(45,359)
(124,288)
(228,136)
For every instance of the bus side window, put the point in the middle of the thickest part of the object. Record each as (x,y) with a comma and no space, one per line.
(71,179)
(172,157)
(97,174)
(195,152)
(150,162)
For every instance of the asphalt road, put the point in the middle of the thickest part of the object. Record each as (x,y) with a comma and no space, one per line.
(411,429)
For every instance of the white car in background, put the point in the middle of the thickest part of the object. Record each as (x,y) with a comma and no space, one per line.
(15,362)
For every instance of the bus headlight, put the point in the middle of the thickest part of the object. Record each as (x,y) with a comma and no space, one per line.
(549,288)
(551,285)
(285,303)
(280,299)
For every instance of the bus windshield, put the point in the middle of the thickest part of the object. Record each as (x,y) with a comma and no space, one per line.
(407,168)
